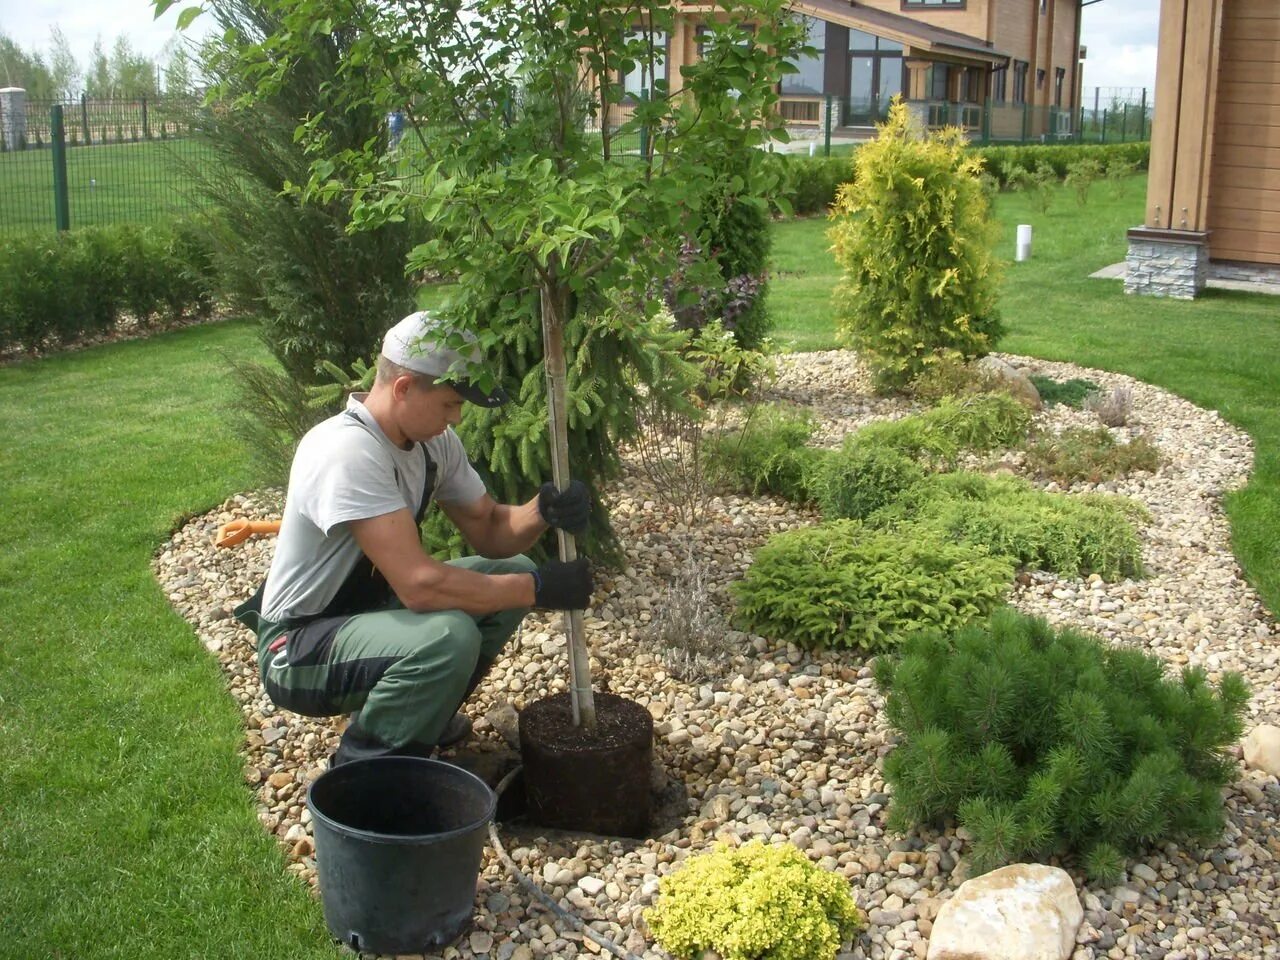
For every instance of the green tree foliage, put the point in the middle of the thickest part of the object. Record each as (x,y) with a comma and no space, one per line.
(845,585)
(64,71)
(912,236)
(98,82)
(1046,742)
(19,68)
(323,291)
(542,224)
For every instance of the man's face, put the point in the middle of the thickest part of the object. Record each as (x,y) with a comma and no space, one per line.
(427,411)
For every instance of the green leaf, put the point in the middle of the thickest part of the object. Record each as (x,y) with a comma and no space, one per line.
(186,17)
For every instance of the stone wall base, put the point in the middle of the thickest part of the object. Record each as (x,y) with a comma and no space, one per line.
(1166,263)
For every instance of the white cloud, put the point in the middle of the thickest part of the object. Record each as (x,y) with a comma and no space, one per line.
(1121,37)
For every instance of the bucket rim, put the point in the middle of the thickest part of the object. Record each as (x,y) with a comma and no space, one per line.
(375,836)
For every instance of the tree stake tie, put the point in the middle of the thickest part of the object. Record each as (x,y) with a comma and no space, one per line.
(580,695)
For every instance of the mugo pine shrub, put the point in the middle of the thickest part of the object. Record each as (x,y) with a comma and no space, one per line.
(912,236)
(1072,535)
(1044,742)
(841,584)
(757,902)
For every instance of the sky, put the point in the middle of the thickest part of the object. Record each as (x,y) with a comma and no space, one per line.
(1120,34)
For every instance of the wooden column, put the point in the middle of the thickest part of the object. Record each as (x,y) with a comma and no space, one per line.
(917,79)
(1182,129)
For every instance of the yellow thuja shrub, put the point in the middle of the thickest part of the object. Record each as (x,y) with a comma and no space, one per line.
(757,902)
(912,236)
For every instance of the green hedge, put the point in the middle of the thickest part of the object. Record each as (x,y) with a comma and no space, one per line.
(1000,159)
(56,289)
(811,182)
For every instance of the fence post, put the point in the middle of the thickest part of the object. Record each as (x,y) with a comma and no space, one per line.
(84,118)
(986,121)
(61,206)
(826,127)
(1104,125)
(1142,120)
(1024,122)
(146,132)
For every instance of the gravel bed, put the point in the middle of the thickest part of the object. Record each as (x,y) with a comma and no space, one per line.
(785,745)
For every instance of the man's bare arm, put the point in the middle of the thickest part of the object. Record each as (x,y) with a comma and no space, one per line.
(423,583)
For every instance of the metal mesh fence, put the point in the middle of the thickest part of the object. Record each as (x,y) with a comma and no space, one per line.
(127,161)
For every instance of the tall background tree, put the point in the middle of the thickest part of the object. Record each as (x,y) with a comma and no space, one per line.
(538,207)
(20,68)
(323,292)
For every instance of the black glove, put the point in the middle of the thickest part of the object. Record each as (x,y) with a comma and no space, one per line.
(566,509)
(562,586)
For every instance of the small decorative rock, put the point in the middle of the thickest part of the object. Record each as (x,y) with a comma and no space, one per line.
(1026,911)
(1262,749)
(1018,383)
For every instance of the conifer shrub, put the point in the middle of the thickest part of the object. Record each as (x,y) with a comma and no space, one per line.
(756,902)
(1071,535)
(953,378)
(936,437)
(767,454)
(1091,456)
(1047,742)
(980,422)
(842,584)
(859,479)
(1071,392)
(913,239)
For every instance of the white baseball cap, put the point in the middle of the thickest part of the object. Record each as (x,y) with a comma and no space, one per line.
(418,343)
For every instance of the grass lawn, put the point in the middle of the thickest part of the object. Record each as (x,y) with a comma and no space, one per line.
(128,830)
(1221,351)
(106,183)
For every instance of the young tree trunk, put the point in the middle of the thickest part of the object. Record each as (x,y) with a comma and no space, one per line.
(554,300)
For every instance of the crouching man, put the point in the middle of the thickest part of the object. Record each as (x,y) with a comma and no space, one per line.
(355,616)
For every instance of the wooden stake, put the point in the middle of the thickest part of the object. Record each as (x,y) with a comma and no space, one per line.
(553,311)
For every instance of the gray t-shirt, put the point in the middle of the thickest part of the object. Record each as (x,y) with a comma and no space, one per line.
(346,469)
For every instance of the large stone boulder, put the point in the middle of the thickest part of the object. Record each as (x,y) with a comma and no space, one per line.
(1015,381)
(1262,749)
(1025,911)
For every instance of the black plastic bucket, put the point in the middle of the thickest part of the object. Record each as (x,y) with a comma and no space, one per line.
(398,847)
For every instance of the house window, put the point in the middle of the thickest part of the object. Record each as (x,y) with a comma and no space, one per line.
(1044,7)
(875,77)
(649,70)
(809,81)
(1039,79)
(999,85)
(970,86)
(1020,68)
(939,81)
(1059,77)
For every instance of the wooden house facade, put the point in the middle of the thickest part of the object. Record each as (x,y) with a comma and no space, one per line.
(948,56)
(1213,195)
